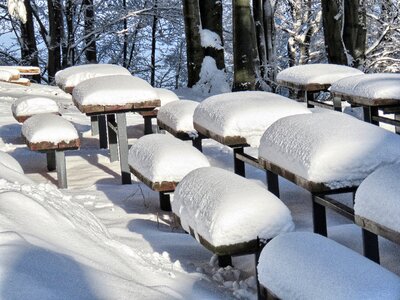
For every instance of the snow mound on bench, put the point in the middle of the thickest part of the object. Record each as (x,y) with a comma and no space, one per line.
(160,157)
(378,197)
(15,74)
(372,86)
(114,90)
(31,105)
(226,209)
(48,128)
(303,265)
(316,73)
(166,96)
(244,114)
(72,76)
(178,115)
(331,148)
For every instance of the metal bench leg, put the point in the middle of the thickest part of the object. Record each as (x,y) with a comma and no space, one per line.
(224,261)
(102,132)
(337,103)
(319,217)
(273,183)
(370,113)
(61,169)
(94,122)
(112,137)
(197,144)
(238,165)
(165,203)
(370,245)
(123,148)
(51,160)
(148,126)
(397,118)
(309,96)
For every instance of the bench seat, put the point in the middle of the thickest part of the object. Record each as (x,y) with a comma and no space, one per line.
(177,118)
(51,134)
(9,74)
(161,161)
(303,265)
(227,213)
(27,106)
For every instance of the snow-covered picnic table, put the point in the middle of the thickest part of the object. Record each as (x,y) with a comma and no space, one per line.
(239,119)
(373,92)
(313,78)
(333,159)
(113,96)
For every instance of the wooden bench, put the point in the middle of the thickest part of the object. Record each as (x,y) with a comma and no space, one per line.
(165,96)
(69,78)
(374,93)
(53,135)
(160,161)
(311,79)
(377,206)
(177,118)
(25,107)
(301,265)
(327,153)
(112,97)
(239,119)
(228,214)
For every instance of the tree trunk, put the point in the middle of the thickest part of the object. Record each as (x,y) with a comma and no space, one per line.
(55,32)
(258,12)
(195,53)
(245,56)
(153,45)
(332,19)
(90,40)
(355,30)
(125,46)
(69,48)
(211,19)
(29,51)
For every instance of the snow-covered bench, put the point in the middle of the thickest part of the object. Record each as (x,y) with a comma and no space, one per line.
(177,118)
(22,70)
(377,208)
(51,134)
(27,106)
(313,78)
(373,92)
(69,78)
(8,74)
(165,96)
(326,153)
(228,214)
(239,119)
(160,161)
(113,96)
(301,265)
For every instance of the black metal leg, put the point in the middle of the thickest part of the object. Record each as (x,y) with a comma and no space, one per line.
(224,261)
(123,148)
(112,137)
(165,202)
(397,118)
(148,127)
(197,144)
(102,132)
(337,103)
(319,217)
(239,165)
(370,245)
(309,96)
(51,160)
(273,183)
(369,114)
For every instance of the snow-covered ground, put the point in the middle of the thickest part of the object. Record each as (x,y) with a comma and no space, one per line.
(102,240)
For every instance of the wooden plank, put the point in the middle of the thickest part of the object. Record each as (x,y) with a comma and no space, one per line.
(310,87)
(366,101)
(107,109)
(21,81)
(378,229)
(164,186)
(182,135)
(311,186)
(46,146)
(151,113)
(232,141)
(22,119)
